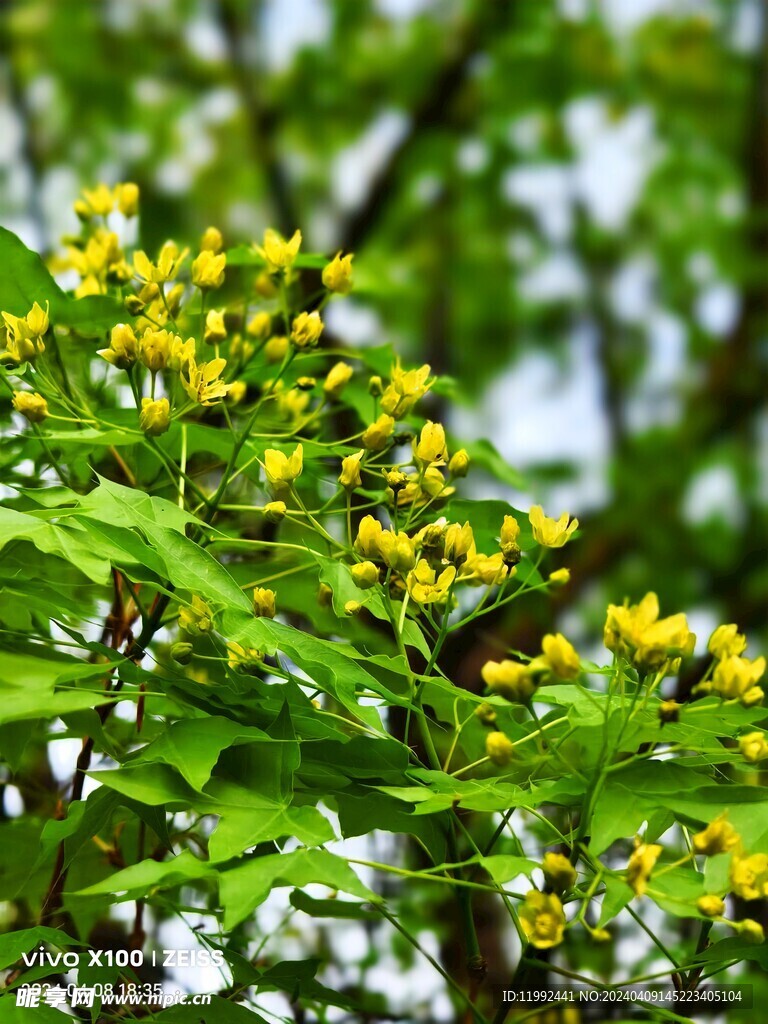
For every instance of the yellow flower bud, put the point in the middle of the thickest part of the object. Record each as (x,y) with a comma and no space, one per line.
(31,405)
(275,511)
(365,575)
(237,392)
(337,379)
(155,349)
(282,469)
(510,679)
(559,872)
(458,541)
(727,642)
(260,325)
(458,465)
(368,537)
(196,618)
(499,748)
(598,935)
(352,608)
(337,275)
(753,746)
(306,383)
(640,866)
(215,330)
(404,390)
(275,349)
(750,930)
(37,320)
(561,656)
(208,270)
(265,286)
(264,603)
(486,713)
(97,201)
(669,711)
(155,416)
(375,386)
(212,240)
(375,436)
(278,253)
(551,533)
(127,198)
(718,837)
(560,577)
(397,550)
(431,445)
(123,347)
(306,330)
(542,919)
(350,471)
(710,906)
(243,659)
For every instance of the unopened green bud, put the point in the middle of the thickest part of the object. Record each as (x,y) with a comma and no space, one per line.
(182,652)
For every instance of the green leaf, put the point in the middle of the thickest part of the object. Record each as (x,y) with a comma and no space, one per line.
(26,280)
(13,944)
(243,888)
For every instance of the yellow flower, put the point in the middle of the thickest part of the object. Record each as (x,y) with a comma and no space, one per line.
(264,602)
(486,713)
(244,659)
(260,325)
(278,253)
(718,837)
(510,679)
(499,748)
(196,618)
(669,711)
(375,436)
(155,416)
(551,533)
(180,354)
(404,390)
(749,876)
(727,641)
(306,329)
(640,866)
(561,656)
(275,349)
(350,471)
(636,632)
(31,405)
(208,269)
(365,575)
(397,550)
(543,919)
(97,202)
(710,906)
(734,678)
(485,569)
(368,537)
(431,445)
(425,586)
(155,348)
(337,379)
(167,266)
(127,198)
(203,382)
(559,872)
(753,746)
(337,275)
(282,469)
(123,347)
(212,240)
(24,341)
(215,329)
(459,463)
(352,608)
